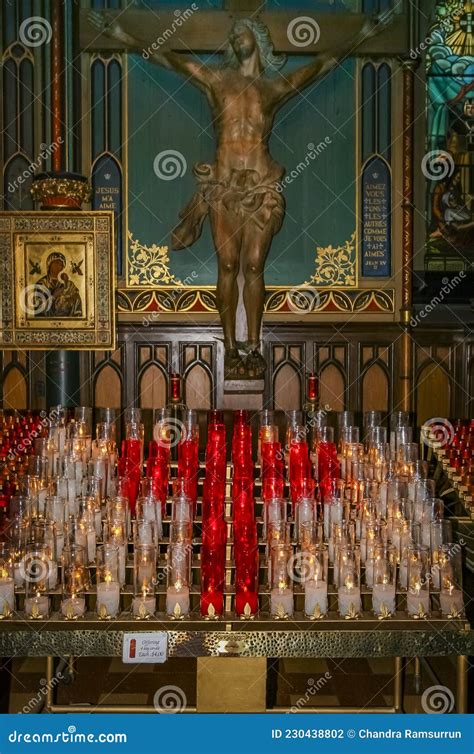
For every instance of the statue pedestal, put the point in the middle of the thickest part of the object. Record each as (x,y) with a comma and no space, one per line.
(243,394)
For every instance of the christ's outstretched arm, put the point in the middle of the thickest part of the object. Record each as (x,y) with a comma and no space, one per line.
(290,85)
(198,73)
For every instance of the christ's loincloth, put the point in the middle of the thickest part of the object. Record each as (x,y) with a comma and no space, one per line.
(245,194)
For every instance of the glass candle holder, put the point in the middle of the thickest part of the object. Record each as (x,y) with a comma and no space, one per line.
(213,570)
(75,581)
(274,511)
(294,427)
(418,594)
(108,586)
(350,435)
(342,534)
(89,505)
(410,535)
(21,507)
(161,427)
(144,580)
(181,532)
(43,533)
(281,596)
(115,534)
(311,533)
(7,580)
(88,524)
(143,532)
(179,577)
(316,561)
(344,419)
(384,570)
(246,569)
(423,489)
(118,509)
(450,571)
(36,567)
(441,533)
(372,419)
(349,599)
(268,430)
(397,419)
(433,510)
(149,509)
(181,504)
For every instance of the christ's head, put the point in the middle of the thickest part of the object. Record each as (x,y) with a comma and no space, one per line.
(248,37)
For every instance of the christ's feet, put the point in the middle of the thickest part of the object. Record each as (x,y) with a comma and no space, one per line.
(234,367)
(256,364)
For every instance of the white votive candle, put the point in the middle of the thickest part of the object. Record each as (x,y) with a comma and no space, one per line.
(18,575)
(369,572)
(349,599)
(451,601)
(98,521)
(417,598)
(53,575)
(146,573)
(281,601)
(91,545)
(177,595)
(403,574)
(426,534)
(315,593)
(142,607)
(73,607)
(331,550)
(7,594)
(37,607)
(383,594)
(327,520)
(108,597)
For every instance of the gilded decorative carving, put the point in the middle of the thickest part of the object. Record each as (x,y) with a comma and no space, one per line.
(176,300)
(336,265)
(77,191)
(148,265)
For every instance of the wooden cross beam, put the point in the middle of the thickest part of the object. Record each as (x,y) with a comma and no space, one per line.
(205,31)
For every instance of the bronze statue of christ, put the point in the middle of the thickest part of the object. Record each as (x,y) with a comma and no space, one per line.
(240,190)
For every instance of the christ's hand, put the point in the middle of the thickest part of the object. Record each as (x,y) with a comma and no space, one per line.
(106,24)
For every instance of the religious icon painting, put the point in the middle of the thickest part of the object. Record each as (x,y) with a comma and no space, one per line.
(57,280)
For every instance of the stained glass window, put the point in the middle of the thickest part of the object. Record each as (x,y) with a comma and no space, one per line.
(449,161)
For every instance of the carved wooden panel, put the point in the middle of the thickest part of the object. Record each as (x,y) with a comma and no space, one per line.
(287,387)
(108,388)
(433,393)
(356,364)
(15,389)
(375,389)
(332,388)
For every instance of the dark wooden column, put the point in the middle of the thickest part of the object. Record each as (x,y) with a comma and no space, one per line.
(62,367)
(406,363)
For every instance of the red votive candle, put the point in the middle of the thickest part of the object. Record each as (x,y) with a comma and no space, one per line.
(214,598)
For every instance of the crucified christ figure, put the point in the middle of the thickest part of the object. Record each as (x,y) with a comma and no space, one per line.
(239,192)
